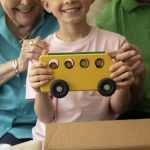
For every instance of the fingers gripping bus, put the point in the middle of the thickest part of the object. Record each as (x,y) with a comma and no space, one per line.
(79,72)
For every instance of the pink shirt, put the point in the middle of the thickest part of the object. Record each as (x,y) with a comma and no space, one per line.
(80,105)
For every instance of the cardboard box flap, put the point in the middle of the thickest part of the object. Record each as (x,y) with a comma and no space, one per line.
(102,135)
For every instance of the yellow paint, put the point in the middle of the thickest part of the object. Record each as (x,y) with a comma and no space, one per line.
(78,78)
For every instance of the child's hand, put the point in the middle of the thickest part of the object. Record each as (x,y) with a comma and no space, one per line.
(39,75)
(122,74)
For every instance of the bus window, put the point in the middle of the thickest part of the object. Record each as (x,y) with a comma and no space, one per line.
(53,64)
(69,63)
(99,62)
(84,63)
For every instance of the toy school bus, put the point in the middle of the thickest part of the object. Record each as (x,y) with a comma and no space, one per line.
(79,72)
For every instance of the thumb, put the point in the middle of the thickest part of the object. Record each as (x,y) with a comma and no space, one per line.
(44,52)
(38,38)
(112,54)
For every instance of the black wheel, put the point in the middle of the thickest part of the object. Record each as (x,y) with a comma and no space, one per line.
(59,88)
(106,87)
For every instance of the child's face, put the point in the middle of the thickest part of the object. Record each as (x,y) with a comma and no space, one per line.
(68,11)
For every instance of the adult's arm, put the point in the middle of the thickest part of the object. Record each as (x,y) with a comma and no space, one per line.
(137,65)
(6,71)
(137,89)
(28,51)
(131,55)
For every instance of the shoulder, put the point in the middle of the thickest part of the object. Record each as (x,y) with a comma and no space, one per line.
(108,40)
(50,18)
(50,38)
(105,34)
(110,14)
(50,22)
(47,25)
(110,7)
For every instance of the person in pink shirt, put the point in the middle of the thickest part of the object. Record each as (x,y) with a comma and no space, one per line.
(75,35)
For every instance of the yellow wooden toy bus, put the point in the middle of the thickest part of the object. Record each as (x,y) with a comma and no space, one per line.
(79,72)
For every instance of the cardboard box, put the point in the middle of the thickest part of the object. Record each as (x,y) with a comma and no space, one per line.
(102,135)
(29,145)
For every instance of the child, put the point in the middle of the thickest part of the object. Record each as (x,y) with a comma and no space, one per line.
(75,35)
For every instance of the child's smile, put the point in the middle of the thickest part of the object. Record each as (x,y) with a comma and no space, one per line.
(68,11)
(71,10)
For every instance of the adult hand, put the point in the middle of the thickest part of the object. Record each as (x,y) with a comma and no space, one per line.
(131,55)
(31,49)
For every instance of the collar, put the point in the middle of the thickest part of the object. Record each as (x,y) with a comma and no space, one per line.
(130,5)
